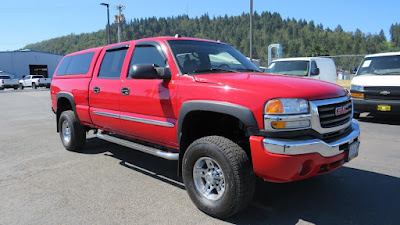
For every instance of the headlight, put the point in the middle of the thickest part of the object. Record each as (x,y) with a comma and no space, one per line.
(287,106)
(356,87)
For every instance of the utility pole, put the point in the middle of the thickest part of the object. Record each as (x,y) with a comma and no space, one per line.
(251,30)
(119,18)
(108,22)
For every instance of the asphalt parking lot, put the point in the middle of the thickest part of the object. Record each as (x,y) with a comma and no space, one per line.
(42,183)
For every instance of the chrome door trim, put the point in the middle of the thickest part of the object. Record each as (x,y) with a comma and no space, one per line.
(147,121)
(135,119)
(112,115)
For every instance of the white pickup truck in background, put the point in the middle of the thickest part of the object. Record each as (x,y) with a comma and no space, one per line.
(34,81)
(7,82)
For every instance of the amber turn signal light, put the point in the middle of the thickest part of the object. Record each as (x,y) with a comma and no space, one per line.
(278,124)
(274,106)
(357,95)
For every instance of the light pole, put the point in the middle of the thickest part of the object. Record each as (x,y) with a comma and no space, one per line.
(251,30)
(108,22)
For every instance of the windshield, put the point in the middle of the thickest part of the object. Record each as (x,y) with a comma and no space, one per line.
(383,65)
(198,57)
(294,68)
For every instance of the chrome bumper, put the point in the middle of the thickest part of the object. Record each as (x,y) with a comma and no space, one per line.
(297,147)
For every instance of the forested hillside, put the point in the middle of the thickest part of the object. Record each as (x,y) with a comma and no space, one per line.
(298,37)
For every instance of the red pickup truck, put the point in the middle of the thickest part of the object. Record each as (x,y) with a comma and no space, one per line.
(202,103)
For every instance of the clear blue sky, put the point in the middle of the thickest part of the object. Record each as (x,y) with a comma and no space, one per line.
(24,22)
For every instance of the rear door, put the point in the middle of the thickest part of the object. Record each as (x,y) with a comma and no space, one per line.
(104,89)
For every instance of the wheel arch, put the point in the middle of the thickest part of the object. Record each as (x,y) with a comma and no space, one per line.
(65,101)
(242,114)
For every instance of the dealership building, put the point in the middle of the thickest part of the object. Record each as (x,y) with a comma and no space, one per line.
(17,64)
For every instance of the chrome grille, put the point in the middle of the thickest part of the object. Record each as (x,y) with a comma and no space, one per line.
(328,117)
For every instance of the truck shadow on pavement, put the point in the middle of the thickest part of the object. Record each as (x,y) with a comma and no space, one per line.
(382,119)
(345,196)
(158,168)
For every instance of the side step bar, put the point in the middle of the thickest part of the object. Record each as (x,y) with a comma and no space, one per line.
(139,147)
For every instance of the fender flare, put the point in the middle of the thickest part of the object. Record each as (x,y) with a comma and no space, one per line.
(71,100)
(244,114)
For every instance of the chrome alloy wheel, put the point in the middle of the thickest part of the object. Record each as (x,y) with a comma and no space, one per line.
(66,131)
(209,178)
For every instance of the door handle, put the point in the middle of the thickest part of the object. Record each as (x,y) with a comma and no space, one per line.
(96,90)
(125,91)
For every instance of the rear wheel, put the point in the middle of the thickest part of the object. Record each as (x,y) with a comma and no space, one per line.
(34,86)
(218,176)
(72,133)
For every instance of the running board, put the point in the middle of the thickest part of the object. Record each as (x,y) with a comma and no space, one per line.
(139,147)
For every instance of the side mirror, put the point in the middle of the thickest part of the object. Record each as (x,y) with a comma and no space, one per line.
(353,70)
(315,72)
(149,71)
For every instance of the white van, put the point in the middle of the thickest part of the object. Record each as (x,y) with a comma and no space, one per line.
(313,67)
(376,86)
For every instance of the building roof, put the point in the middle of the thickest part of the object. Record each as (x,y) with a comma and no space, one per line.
(28,51)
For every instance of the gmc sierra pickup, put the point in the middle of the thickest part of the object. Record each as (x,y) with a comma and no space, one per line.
(203,104)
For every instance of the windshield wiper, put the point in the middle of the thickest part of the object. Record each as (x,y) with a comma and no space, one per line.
(214,70)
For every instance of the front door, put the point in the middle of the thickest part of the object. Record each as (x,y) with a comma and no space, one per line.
(148,105)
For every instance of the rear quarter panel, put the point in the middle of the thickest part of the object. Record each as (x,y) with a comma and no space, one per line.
(77,85)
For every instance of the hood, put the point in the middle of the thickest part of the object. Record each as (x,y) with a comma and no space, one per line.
(376,80)
(275,86)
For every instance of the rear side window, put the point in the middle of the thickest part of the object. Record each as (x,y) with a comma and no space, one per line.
(111,65)
(76,64)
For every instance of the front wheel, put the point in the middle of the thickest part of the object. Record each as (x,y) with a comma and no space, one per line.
(21,86)
(72,133)
(218,176)
(34,86)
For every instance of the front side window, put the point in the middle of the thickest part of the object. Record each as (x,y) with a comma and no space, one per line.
(147,55)
(294,68)
(200,57)
(111,65)
(384,65)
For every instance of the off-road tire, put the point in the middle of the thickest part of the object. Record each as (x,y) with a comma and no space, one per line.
(76,130)
(237,171)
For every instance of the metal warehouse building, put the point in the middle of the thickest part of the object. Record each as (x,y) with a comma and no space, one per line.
(20,63)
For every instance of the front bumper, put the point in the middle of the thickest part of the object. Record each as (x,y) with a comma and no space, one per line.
(285,160)
(369,105)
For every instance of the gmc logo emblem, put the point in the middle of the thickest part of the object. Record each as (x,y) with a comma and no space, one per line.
(341,110)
